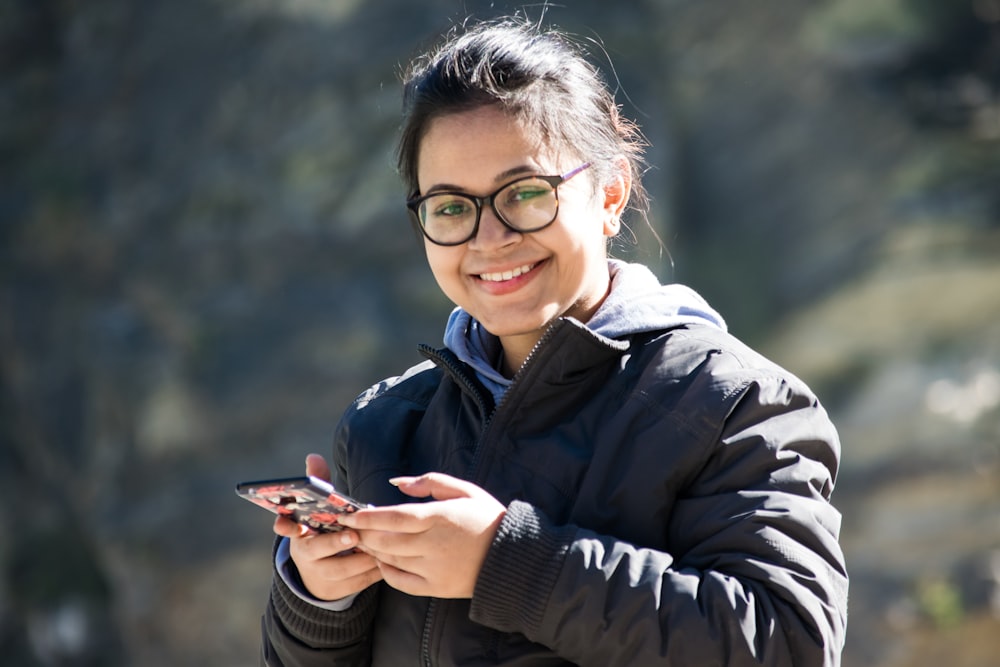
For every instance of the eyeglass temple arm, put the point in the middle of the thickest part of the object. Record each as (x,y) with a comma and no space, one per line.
(573,172)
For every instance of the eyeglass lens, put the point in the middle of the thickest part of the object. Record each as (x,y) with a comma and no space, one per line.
(526,205)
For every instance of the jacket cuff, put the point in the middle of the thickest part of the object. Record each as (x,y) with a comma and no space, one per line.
(520,570)
(321,628)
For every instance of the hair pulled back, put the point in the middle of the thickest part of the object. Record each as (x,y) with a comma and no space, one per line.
(540,77)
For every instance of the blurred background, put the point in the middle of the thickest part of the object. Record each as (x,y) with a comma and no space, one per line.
(204,257)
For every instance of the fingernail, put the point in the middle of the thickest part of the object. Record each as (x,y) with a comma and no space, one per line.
(346,539)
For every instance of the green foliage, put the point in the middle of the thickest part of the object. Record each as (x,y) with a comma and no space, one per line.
(846,25)
(952,172)
(852,23)
(940,601)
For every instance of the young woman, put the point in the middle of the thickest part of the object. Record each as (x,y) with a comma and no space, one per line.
(591,471)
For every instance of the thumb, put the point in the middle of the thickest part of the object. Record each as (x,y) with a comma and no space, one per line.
(436,485)
(316,466)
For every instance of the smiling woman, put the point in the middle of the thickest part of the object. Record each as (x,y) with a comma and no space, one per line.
(561,267)
(614,479)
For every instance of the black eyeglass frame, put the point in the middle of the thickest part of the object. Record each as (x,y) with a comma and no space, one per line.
(413,205)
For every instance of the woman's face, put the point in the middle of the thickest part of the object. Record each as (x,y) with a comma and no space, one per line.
(559,270)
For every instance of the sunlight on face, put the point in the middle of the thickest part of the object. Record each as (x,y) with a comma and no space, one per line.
(515,284)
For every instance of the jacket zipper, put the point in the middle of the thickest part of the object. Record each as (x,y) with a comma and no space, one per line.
(487,425)
(425,639)
(459,374)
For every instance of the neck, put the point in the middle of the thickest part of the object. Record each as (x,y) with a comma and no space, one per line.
(514,351)
(517,347)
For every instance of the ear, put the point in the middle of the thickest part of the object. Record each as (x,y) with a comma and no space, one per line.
(616,193)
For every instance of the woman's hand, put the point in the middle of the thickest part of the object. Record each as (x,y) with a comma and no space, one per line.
(328,563)
(435,548)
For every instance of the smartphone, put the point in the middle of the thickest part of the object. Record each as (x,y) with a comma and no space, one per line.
(310,501)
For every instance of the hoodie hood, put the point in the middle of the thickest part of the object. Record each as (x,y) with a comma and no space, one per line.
(637,303)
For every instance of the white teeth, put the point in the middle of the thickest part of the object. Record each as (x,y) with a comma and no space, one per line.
(506,275)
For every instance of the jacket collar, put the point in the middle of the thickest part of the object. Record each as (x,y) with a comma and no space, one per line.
(567,354)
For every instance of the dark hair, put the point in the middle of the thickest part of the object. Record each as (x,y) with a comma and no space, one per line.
(540,76)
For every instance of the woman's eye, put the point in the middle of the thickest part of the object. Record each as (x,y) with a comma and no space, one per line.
(526,193)
(450,209)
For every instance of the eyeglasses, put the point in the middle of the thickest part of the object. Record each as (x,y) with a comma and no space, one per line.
(526,205)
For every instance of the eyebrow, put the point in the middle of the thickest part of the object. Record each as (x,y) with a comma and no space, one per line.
(502,177)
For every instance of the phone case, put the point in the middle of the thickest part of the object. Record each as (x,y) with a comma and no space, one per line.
(310,501)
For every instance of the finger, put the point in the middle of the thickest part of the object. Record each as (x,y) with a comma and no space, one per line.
(285,527)
(401,580)
(316,466)
(339,576)
(315,546)
(393,544)
(353,564)
(408,518)
(436,485)
(354,584)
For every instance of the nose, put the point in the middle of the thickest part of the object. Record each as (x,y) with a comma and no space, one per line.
(492,232)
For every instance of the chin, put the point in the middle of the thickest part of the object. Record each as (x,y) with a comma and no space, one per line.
(504,327)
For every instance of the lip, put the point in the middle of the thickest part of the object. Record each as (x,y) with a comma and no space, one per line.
(510,279)
(507,274)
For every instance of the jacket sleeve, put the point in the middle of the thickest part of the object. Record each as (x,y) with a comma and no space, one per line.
(296,633)
(754,576)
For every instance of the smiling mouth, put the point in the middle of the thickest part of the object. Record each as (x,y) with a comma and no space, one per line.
(506,275)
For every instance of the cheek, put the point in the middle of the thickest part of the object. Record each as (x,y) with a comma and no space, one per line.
(583,228)
(444,263)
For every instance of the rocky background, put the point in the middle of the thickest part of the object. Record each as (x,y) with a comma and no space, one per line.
(204,257)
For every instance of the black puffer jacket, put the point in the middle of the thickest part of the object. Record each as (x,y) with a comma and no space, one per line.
(668,504)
